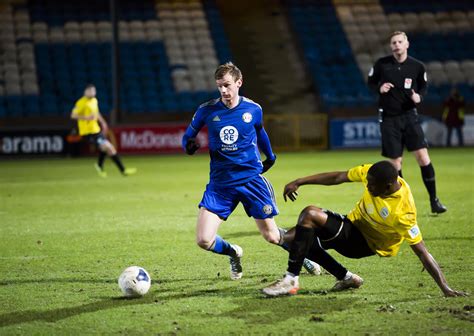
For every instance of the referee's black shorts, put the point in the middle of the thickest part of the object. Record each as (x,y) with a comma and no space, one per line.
(400,131)
(341,235)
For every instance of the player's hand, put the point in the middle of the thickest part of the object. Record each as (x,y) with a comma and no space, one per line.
(386,87)
(448,292)
(415,97)
(192,146)
(267,164)
(105,130)
(290,191)
(91,117)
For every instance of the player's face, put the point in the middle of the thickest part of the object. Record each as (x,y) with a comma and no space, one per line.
(399,44)
(228,87)
(377,189)
(90,92)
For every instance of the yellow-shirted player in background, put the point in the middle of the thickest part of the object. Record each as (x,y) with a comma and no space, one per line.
(92,127)
(380,222)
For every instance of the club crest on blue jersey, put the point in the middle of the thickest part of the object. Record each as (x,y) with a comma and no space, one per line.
(247,117)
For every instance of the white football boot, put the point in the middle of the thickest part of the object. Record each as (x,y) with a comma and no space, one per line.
(288,285)
(235,266)
(311,267)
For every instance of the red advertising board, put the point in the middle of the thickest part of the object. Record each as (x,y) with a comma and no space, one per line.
(153,139)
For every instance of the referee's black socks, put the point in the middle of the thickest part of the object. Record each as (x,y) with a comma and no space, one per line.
(428,175)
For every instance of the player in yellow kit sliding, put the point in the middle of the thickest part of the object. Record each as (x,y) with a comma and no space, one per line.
(380,222)
(92,127)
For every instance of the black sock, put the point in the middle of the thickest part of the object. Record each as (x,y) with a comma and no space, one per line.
(428,175)
(100,160)
(117,161)
(304,237)
(326,261)
(284,245)
(400,173)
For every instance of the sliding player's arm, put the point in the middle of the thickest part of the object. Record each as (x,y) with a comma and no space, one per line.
(263,142)
(188,142)
(331,178)
(433,268)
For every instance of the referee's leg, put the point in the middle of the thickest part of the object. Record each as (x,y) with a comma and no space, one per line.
(392,142)
(416,142)
(429,179)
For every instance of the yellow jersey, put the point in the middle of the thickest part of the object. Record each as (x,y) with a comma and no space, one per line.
(86,107)
(385,222)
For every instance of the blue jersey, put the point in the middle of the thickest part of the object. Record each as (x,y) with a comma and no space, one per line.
(235,136)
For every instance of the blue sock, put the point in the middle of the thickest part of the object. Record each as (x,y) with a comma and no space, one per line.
(222,247)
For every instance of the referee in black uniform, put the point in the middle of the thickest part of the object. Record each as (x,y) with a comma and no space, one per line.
(401,82)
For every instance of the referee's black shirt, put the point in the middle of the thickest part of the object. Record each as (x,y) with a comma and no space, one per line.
(405,76)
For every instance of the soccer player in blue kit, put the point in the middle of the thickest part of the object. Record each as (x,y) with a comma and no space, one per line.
(236,133)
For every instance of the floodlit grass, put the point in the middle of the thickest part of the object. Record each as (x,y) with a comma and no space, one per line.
(67,234)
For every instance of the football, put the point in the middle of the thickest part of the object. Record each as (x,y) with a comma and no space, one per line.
(134,281)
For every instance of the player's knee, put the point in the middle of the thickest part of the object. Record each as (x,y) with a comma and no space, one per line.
(272,237)
(311,217)
(204,243)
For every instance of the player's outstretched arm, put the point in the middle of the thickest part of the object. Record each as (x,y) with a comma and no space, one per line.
(433,268)
(189,143)
(263,142)
(331,178)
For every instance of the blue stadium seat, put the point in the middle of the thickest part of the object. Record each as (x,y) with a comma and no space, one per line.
(14,106)
(3,109)
(63,69)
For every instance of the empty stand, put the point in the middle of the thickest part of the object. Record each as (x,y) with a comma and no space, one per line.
(168,53)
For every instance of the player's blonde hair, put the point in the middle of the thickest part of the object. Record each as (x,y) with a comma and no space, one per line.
(398,32)
(228,68)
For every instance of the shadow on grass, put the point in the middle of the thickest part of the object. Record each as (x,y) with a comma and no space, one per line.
(54,280)
(253,307)
(242,234)
(55,315)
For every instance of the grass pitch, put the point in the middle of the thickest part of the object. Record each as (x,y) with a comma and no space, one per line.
(67,234)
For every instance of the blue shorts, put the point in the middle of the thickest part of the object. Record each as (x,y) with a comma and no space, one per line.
(256,196)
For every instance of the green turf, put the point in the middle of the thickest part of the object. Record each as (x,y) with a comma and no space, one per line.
(66,235)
